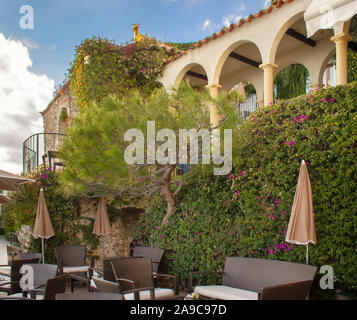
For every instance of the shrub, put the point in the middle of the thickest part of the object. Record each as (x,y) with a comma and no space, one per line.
(68,226)
(247,213)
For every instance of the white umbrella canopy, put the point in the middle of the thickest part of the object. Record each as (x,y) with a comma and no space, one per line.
(301,229)
(10,181)
(43,226)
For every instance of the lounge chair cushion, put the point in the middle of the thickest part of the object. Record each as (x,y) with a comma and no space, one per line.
(19,295)
(225,293)
(145,295)
(75,269)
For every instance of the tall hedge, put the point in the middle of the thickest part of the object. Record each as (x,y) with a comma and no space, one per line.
(247,213)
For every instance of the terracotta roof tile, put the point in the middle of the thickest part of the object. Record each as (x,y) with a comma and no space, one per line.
(222,32)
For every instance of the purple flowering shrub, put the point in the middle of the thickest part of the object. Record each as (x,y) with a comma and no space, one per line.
(247,213)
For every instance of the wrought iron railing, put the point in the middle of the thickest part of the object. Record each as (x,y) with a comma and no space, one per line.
(248,106)
(40,149)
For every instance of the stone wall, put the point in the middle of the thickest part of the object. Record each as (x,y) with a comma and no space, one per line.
(52,117)
(118,243)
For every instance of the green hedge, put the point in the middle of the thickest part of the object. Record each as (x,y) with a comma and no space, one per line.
(247,213)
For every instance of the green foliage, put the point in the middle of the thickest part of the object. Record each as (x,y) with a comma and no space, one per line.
(291,81)
(94,147)
(101,67)
(352,65)
(247,213)
(68,226)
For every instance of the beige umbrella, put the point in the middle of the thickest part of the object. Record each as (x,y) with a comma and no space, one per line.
(43,226)
(301,230)
(10,181)
(4,199)
(101,223)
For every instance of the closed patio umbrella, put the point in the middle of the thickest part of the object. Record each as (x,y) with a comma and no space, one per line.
(43,226)
(10,181)
(102,224)
(301,229)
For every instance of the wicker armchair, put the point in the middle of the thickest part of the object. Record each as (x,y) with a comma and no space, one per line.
(72,260)
(136,273)
(89,296)
(10,283)
(155,254)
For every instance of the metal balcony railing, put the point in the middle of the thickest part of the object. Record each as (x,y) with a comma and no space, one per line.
(41,149)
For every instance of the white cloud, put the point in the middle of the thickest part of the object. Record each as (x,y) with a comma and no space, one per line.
(23,94)
(30,44)
(267,3)
(209,26)
(231,18)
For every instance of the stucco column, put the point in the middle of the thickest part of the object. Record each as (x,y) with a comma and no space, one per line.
(260,103)
(214,114)
(341,42)
(268,69)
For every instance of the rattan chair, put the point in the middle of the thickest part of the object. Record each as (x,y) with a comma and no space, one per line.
(89,296)
(27,255)
(136,273)
(72,260)
(155,254)
(10,283)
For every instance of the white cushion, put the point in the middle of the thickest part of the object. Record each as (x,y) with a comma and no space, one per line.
(75,269)
(225,293)
(5,284)
(19,295)
(145,295)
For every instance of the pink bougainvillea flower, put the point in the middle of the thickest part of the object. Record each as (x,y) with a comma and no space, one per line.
(230,232)
(277,201)
(283,213)
(230,176)
(292,143)
(284,143)
(242,173)
(161,236)
(257,198)
(238,193)
(272,216)
(324,100)
(331,100)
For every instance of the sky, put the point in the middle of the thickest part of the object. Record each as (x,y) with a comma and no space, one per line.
(36,53)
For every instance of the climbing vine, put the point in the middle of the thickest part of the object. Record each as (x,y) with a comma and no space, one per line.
(101,67)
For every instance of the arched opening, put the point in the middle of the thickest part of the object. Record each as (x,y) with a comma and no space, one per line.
(328,71)
(249,93)
(299,59)
(292,81)
(239,62)
(195,74)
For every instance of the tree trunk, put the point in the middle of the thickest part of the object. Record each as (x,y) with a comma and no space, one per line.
(168,195)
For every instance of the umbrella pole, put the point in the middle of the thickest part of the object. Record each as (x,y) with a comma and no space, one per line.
(43,250)
(307,254)
(103,250)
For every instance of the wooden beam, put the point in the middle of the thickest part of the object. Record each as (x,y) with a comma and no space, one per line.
(352,45)
(197,75)
(245,60)
(299,36)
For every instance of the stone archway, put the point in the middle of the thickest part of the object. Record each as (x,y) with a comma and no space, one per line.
(193,73)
